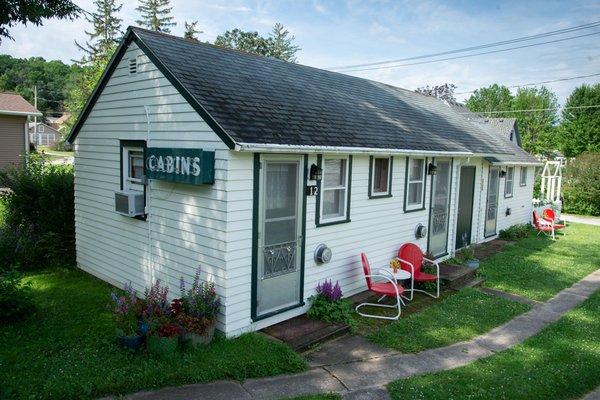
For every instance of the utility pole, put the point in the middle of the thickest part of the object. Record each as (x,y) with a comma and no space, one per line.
(35,125)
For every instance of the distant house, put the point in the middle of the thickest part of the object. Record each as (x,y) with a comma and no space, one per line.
(15,113)
(45,135)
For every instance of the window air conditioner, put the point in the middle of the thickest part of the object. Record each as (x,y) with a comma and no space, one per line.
(129,203)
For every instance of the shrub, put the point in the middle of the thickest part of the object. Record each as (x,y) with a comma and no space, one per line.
(515,232)
(328,305)
(581,185)
(198,307)
(39,227)
(15,297)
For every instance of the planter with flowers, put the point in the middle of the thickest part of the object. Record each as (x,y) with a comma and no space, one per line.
(163,336)
(328,305)
(127,311)
(196,311)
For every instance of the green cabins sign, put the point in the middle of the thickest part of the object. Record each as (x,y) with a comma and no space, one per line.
(192,166)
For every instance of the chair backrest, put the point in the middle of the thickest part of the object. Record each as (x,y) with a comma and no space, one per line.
(366,269)
(549,214)
(412,253)
(536,219)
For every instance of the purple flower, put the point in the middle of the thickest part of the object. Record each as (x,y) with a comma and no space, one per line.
(330,291)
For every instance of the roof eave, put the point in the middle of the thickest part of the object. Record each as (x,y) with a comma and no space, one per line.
(21,113)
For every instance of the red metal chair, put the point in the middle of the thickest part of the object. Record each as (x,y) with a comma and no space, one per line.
(549,215)
(386,289)
(412,260)
(543,226)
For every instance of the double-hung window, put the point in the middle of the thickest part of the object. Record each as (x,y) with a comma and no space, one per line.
(132,165)
(415,184)
(380,177)
(334,196)
(523,177)
(509,183)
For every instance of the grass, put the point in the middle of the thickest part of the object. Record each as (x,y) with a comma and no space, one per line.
(538,268)
(67,349)
(459,317)
(561,362)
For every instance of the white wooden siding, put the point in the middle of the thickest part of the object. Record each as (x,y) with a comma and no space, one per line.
(186,226)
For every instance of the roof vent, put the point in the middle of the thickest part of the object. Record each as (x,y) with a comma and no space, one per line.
(132,66)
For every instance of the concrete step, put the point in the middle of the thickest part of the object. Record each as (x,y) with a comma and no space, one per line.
(457,276)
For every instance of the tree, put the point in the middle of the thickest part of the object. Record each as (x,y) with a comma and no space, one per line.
(13,12)
(278,45)
(580,128)
(106,31)
(536,128)
(442,92)
(282,46)
(190,30)
(492,98)
(156,15)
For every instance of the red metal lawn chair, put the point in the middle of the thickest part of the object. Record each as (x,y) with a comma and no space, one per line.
(549,215)
(412,260)
(543,226)
(385,289)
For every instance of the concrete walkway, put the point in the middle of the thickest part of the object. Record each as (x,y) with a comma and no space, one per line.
(582,219)
(358,369)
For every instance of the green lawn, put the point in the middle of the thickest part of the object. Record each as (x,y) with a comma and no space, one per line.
(459,317)
(538,268)
(561,362)
(67,349)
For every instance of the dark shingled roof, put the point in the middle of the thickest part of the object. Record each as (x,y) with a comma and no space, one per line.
(253,99)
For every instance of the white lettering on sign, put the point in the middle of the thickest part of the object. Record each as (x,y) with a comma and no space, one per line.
(174,165)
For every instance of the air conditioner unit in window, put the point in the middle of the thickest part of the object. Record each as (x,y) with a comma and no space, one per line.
(129,203)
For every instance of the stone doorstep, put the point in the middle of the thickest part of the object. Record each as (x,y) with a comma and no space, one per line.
(346,349)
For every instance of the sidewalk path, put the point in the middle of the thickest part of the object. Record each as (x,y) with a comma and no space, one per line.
(358,369)
(582,219)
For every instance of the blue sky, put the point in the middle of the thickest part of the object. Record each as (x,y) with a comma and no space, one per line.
(333,33)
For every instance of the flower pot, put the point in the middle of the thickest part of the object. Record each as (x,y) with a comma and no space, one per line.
(192,340)
(162,347)
(473,264)
(133,342)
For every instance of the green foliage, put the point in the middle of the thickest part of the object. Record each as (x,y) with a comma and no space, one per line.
(516,232)
(330,311)
(156,15)
(13,12)
(278,45)
(580,128)
(459,317)
(39,215)
(537,129)
(52,78)
(560,362)
(581,185)
(190,31)
(15,297)
(538,267)
(105,33)
(68,349)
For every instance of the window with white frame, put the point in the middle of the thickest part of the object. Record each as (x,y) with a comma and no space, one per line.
(523,177)
(380,177)
(132,172)
(509,183)
(334,190)
(415,184)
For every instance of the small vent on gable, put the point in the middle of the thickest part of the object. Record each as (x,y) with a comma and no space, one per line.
(133,66)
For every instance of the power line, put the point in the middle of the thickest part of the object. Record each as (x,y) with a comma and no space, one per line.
(478,47)
(530,110)
(472,55)
(539,83)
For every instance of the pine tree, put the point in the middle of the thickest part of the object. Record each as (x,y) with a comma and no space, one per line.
(282,44)
(190,30)
(106,32)
(155,15)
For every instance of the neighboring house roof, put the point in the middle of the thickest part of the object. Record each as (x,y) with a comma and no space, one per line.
(46,127)
(250,99)
(15,104)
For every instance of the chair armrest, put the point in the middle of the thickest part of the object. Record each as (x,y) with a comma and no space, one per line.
(412,267)
(392,281)
(437,265)
(386,273)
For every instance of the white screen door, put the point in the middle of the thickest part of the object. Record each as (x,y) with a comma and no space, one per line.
(440,208)
(491,212)
(279,234)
